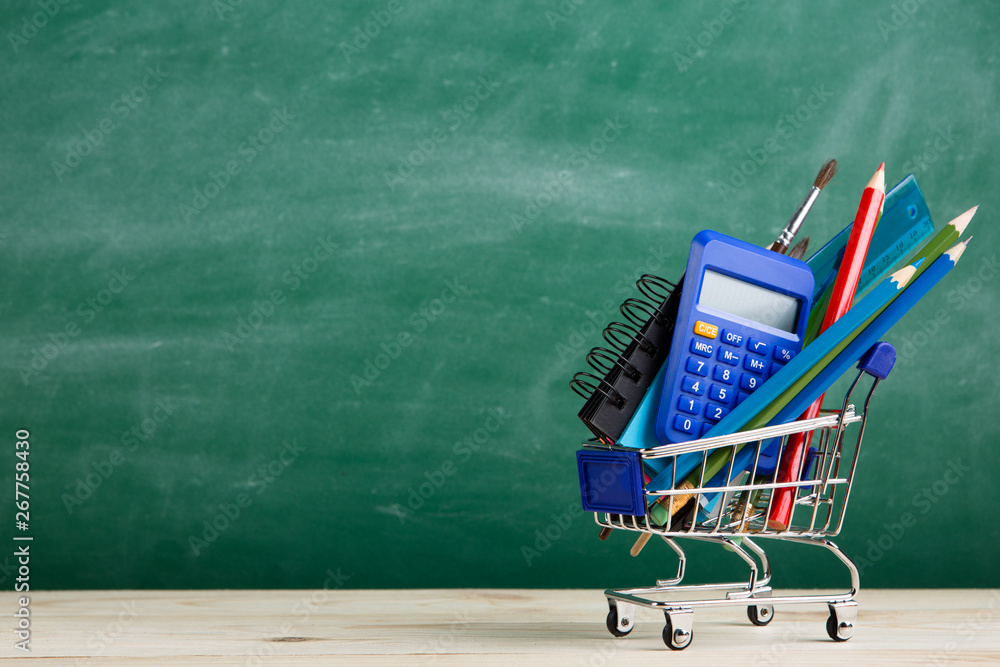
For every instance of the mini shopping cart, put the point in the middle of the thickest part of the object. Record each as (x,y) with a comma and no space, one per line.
(736,513)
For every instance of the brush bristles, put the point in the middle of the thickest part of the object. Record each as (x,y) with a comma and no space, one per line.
(825,174)
(799,251)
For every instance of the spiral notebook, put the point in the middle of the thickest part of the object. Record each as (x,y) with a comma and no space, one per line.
(626,372)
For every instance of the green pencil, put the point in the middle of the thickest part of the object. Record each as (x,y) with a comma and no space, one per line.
(720,458)
(944,239)
(941,242)
(741,416)
(937,246)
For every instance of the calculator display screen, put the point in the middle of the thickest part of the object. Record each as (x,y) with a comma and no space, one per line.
(748,301)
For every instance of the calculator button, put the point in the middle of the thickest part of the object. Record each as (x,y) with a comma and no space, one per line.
(783,354)
(758,346)
(740,397)
(775,367)
(705,329)
(715,412)
(697,366)
(727,356)
(688,405)
(685,424)
(732,338)
(726,375)
(749,382)
(719,393)
(694,386)
(755,364)
(701,348)
(705,428)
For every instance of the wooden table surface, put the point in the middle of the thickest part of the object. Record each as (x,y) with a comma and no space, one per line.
(499,627)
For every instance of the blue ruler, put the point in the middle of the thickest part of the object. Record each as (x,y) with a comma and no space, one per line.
(905,222)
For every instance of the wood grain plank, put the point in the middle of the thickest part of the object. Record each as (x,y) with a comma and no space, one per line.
(445,627)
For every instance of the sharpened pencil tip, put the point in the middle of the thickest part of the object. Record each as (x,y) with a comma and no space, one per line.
(903,276)
(962,221)
(955,252)
(877,181)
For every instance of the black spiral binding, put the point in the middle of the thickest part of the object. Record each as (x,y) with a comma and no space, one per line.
(639,347)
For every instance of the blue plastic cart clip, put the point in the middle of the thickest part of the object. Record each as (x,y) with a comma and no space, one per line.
(611,482)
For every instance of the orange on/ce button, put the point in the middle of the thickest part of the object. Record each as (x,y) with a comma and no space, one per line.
(705,329)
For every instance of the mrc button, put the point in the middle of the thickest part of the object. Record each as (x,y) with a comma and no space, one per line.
(705,329)
(701,348)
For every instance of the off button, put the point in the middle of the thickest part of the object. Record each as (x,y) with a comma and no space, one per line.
(705,329)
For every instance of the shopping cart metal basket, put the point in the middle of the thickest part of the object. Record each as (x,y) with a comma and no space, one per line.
(735,513)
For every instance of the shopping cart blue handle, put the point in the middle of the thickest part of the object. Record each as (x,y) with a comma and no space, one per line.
(878,360)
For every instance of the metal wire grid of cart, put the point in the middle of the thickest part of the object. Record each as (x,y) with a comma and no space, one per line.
(735,514)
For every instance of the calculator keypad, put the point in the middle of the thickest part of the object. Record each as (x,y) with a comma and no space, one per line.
(723,368)
(697,366)
(693,385)
(727,356)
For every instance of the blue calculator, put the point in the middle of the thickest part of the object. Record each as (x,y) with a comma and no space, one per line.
(742,316)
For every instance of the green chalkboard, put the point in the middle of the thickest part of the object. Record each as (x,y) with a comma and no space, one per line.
(293,291)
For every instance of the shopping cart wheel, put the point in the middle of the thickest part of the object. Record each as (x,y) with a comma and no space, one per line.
(616,628)
(761,615)
(840,623)
(678,632)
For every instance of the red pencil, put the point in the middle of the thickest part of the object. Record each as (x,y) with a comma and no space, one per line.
(844,287)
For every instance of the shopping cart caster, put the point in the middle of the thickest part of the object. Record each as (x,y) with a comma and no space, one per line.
(840,624)
(620,626)
(761,615)
(678,632)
